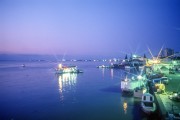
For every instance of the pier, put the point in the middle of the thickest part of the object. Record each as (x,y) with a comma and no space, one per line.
(167,107)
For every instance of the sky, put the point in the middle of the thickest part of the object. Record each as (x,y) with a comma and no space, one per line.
(88,27)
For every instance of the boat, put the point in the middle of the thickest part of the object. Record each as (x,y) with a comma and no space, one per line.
(103,66)
(147,103)
(128,85)
(67,69)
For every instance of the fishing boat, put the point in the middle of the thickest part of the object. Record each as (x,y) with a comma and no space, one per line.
(148,105)
(128,85)
(67,69)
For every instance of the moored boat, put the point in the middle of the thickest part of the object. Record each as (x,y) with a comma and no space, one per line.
(128,85)
(148,105)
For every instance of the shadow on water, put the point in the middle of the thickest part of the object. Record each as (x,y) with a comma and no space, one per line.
(137,111)
(113,89)
(127,94)
(116,89)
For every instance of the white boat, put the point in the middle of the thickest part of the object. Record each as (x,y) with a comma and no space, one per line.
(148,105)
(67,69)
(129,85)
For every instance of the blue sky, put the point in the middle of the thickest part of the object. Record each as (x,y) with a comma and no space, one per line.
(88,27)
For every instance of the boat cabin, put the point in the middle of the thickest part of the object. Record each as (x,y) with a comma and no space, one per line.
(148,97)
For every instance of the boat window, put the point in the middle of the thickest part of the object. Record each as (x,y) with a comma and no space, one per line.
(151,99)
(148,104)
(144,97)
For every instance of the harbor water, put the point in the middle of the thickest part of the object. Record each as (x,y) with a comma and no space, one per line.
(35,92)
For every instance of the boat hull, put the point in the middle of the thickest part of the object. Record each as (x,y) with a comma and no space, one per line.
(147,109)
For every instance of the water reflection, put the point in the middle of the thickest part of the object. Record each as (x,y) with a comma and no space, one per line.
(112,73)
(103,72)
(125,105)
(67,82)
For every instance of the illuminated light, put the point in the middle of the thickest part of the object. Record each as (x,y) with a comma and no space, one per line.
(112,73)
(60,84)
(139,77)
(156,61)
(174,62)
(144,90)
(134,56)
(60,66)
(126,81)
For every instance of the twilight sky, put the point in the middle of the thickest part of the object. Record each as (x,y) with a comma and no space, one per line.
(88,27)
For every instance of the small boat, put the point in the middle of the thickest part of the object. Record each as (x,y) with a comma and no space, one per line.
(103,66)
(67,69)
(148,105)
(23,65)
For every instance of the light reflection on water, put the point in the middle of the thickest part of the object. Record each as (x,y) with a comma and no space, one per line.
(125,106)
(67,82)
(112,73)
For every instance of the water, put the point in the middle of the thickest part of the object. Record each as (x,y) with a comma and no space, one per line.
(36,92)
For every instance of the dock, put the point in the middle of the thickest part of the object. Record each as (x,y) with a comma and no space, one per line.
(165,105)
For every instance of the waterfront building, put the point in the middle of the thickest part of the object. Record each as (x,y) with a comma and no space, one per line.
(167,52)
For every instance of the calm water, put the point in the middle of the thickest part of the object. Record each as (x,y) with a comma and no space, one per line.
(36,93)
